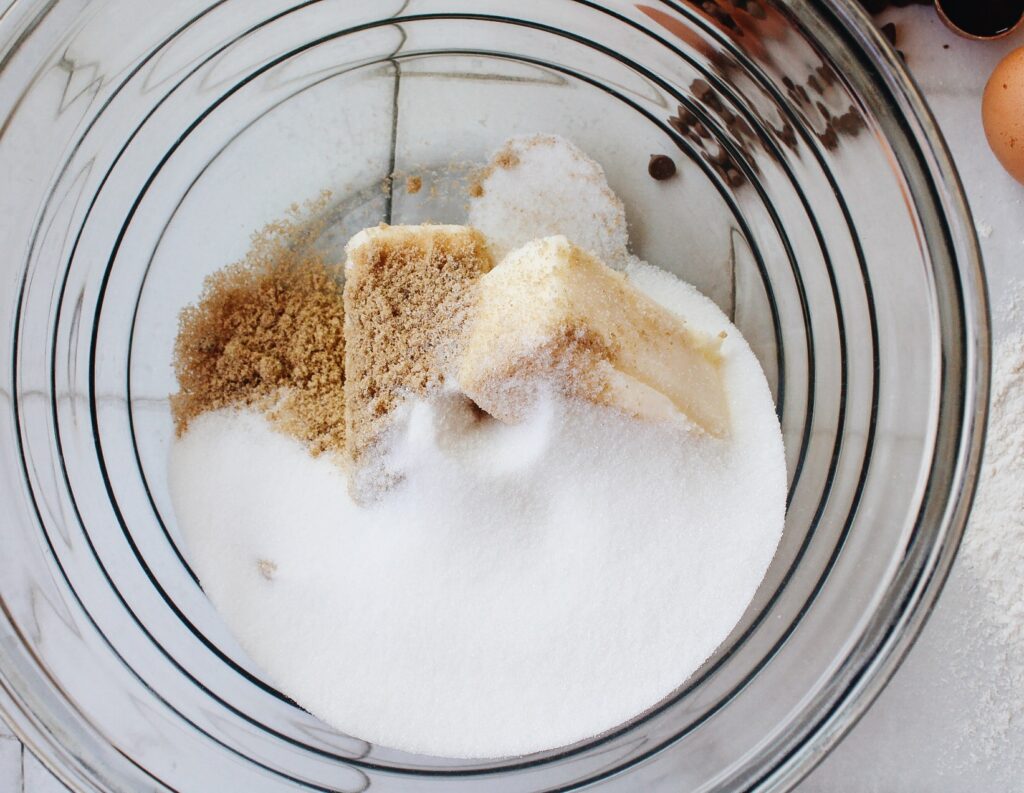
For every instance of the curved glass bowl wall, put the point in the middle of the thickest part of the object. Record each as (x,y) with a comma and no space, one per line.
(142,143)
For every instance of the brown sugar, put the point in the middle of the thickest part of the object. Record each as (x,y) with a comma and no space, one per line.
(413,184)
(268,332)
(506,158)
(408,291)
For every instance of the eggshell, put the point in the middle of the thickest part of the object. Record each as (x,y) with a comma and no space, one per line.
(1002,113)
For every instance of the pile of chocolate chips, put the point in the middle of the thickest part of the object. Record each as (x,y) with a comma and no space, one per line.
(716,9)
(687,124)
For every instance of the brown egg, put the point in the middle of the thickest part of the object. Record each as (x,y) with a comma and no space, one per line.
(1002,113)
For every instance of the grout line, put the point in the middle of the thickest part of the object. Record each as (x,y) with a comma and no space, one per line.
(732,275)
(389,196)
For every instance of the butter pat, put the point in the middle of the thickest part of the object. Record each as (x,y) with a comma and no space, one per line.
(552,311)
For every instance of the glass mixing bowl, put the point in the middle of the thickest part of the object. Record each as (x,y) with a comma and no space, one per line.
(142,142)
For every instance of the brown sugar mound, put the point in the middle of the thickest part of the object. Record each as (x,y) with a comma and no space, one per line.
(268,332)
(408,292)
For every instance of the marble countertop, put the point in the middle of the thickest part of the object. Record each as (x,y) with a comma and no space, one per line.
(938,726)
(919,735)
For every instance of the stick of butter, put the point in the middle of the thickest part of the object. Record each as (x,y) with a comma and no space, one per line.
(551,311)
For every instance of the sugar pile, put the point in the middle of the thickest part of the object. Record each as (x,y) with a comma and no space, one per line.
(527,587)
(543,185)
(524,586)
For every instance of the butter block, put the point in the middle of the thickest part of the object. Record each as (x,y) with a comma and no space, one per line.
(552,311)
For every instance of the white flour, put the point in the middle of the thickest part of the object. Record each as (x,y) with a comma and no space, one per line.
(993,547)
(993,552)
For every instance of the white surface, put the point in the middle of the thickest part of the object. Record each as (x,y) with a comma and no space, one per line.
(911,740)
(37,778)
(932,729)
(10,761)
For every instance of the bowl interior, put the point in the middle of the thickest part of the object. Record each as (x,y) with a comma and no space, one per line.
(147,147)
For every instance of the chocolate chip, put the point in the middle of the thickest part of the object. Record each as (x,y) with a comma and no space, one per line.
(727,20)
(889,31)
(720,157)
(712,9)
(829,138)
(701,89)
(661,167)
(756,10)
(787,135)
(685,116)
(734,177)
(825,114)
(677,124)
(850,122)
(740,128)
(720,15)
(814,85)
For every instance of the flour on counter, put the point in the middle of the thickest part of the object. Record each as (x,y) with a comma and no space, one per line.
(993,547)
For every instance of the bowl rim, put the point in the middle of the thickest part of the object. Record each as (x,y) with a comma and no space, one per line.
(855,690)
(904,610)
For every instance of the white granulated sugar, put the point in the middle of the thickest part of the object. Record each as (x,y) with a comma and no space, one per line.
(524,586)
(554,188)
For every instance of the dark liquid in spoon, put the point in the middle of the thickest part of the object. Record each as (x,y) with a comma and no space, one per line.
(983,17)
